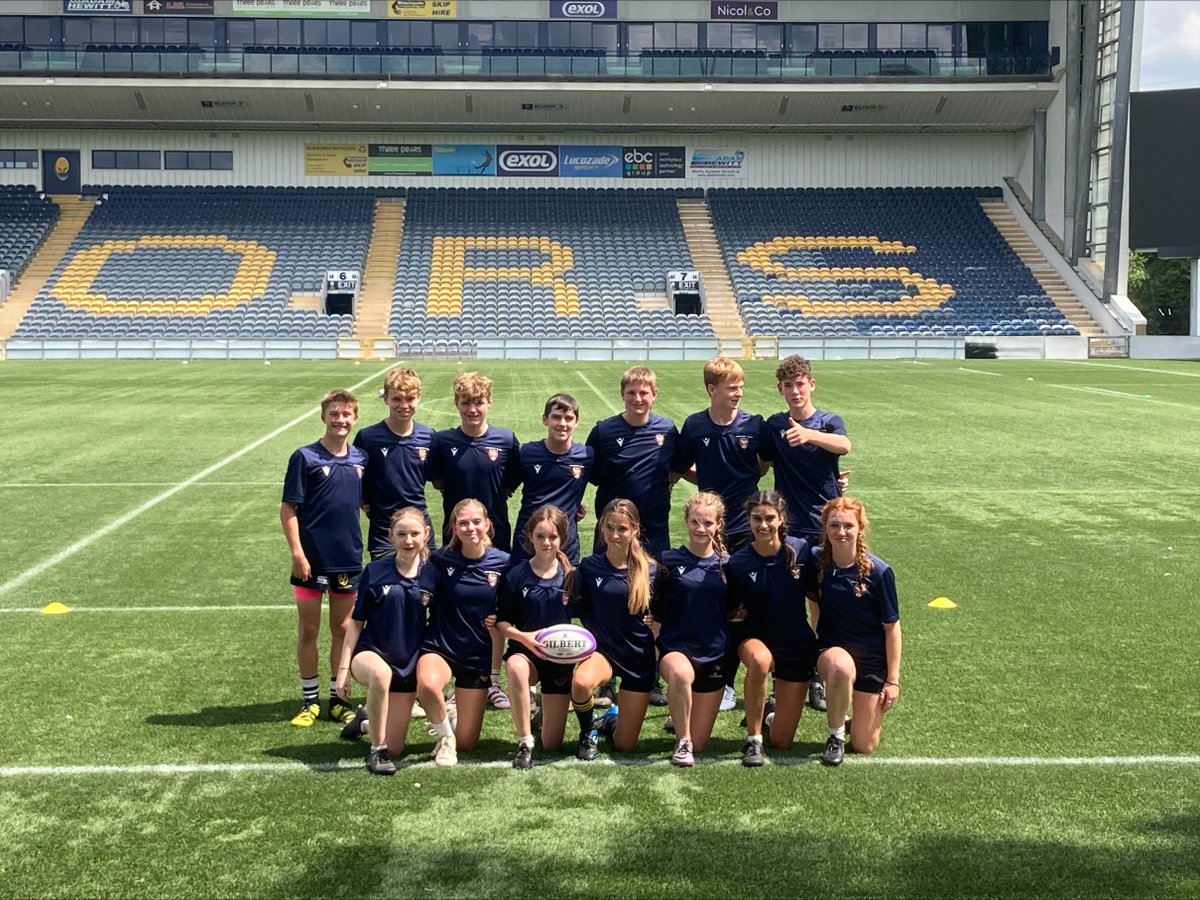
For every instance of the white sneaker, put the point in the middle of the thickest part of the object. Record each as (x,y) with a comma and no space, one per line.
(418,711)
(445,752)
(728,699)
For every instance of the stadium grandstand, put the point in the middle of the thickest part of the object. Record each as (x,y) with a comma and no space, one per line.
(565,179)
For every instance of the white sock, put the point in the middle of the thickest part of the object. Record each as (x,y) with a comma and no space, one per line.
(444,729)
(839,732)
(525,740)
(496,678)
(754,738)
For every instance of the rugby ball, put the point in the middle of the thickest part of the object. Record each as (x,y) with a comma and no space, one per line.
(567,643)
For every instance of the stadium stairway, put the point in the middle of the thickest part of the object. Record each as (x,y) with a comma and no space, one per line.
(706,254)
(379,271)
(1053,285)
(74,212)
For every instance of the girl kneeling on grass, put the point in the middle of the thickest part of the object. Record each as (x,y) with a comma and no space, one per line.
(857,619)
(461,583)
(612,591)
(767,586)
(533,597)
(689,605)
(383,639)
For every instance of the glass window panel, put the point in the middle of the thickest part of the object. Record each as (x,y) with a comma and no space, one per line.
(912,36)
(802,38)
(197,159)
(126,30)
(37,31)
(664,35)
(103,31)
(127,159)
(743,36)
(887,36)
(527,34)
(397,34)
(606,35)
(581,35)
(337,33)
(152,31)
(196,32)
(770,37)
(420,34)
(687,35)
(364,34)
(855,36)
(25,158)
(479,35)
(12,29)
(241,33)
(559,33)
(104,159)
(266,32)
(505,34)
(445,35)
(175,159)
(76,32)
(718,36)
(829,36)
(641,37)
(222,160)
(149,159)
(289,32)
(941,39)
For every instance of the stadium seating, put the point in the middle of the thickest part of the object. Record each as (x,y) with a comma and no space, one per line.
(26,216)
(875,261)
(536,262)
(212,262)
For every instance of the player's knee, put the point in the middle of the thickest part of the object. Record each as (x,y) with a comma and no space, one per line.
(779,742)
(758,664)
(308,632)
(624,745)
(865,745)
(466,744)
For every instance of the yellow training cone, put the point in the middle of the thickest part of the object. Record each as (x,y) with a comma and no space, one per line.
(55,609)
(942,603)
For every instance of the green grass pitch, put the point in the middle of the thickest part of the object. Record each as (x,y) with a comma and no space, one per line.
(1046,742)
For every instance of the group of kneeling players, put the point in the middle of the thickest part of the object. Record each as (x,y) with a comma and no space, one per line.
(779,581)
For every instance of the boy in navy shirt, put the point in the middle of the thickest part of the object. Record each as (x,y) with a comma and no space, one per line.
(478,461)
(322,493)
(398,450)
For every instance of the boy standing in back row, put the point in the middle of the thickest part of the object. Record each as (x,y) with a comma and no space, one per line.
(322,492)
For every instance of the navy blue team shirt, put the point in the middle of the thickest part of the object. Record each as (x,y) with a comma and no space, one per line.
(773,595)
(689,603)
(395,476)
(726,460)
(327,492)
(555,478)
(393,609)
(601,593)
(486,468)
(634,462)
(854,612)
(807,475)
(462,593)
(530,603)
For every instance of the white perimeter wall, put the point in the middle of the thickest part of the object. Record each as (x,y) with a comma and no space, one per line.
(801,160)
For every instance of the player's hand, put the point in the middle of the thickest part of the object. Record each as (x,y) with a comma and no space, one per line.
(301,570)
(888,696)
(342,684)
(581,513)
(489,621)
(797,435)
(738,615)
(843,480)
(648,620)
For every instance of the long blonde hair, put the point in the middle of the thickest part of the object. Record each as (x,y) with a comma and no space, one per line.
(637,573)
(855,508)
(715,503)
(455,543)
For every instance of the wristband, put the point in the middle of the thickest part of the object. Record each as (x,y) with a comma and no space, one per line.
(896,683)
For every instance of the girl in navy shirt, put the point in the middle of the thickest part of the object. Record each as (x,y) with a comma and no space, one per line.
(533,597)
(857,619)
(460,584)
(383,639)
(689,605)
(612,591)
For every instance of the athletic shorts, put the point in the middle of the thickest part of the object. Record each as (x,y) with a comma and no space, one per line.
(555,678)
(869,674)
(333,582)
(400,684)
(796,665)
(710,676)
(639,680)
(464,676)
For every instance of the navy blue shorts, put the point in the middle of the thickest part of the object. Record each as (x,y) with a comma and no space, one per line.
(869,674)
(401,684)
(466,677)
(333,582)
(555,678)
(636,678)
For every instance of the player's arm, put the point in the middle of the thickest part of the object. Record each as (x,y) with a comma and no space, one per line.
(354,628)
(892,643)
(289,518)
(797,436)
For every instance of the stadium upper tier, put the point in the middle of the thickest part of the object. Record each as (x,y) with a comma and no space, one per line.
(537,262)
(203,263)
(25,217)
(875,261)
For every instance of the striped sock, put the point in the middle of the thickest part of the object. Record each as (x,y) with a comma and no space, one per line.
(309,689)
(583,712)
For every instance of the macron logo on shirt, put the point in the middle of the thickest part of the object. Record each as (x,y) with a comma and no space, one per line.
(599,581)
(525,592)
(537,469)
(681,569)
(454,451)
(754,577)
(387,589)
(325,469)
(450,571)
(620,442)
(705,442)
(384,451)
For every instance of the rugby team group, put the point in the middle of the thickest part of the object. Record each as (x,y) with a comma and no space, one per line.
(778,581)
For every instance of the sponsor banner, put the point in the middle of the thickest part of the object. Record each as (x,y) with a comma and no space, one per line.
(540,162)
(464,159)
(654,162)
(719,162)
(335,159)
(399,159)
(422,9)
(97,7)
(589,162)
(743,12)
(333,9)
(177,7)
(583,9)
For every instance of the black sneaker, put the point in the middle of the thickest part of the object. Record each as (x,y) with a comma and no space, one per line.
(669,726)
(524,757)
(589,746)
(752,754)
(356,727)
(816,694)
(658,697)
(606,696)
(535,721)
(835,750)
(379,762)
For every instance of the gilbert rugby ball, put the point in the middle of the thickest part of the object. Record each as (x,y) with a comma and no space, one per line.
(567,643)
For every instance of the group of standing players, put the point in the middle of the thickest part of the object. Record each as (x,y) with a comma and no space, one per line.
(779,581)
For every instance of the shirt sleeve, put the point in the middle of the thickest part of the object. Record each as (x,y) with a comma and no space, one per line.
(433,468)
(889,603)
(834,425)
(683,458)
(295,481)
(766,446)
(506,602)
(659,591)
(512,467)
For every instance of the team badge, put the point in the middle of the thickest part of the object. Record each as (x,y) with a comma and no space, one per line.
(743,441)
(660,439)
(424,599)
(493,578)
(577,471)
(566,598)
(493,453)
(422,452)
(341,581)
(860,589)
(358,470)
(795,572)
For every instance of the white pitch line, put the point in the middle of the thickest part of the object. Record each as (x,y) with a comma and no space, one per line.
(152,609)
(84,542)
(1096,390)
(852,761)
(603,398)
(1080,362)
(137,484)
(980,372)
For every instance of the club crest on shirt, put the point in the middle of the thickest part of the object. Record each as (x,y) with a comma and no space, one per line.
(660,439)
(743,441)
(422,452)
(566,598)
(325,470)
(493,578)
(706,440)
(795,571)
(358,470)
(577,471)
(493,453)
(424,599)
(537,468)
(860,589)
